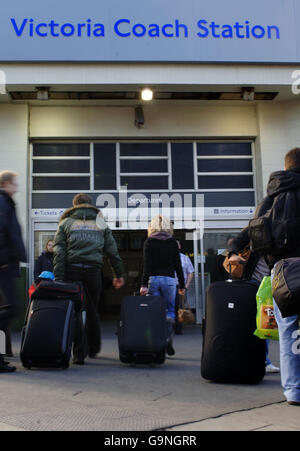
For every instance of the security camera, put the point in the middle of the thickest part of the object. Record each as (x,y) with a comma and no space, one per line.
(139,116)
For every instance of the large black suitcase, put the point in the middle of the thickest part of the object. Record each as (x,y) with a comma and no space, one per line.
(48,330)
(142,330)
(231,352)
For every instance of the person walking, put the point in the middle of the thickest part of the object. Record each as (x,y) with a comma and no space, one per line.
(161,260)
(81,240)
(45,260)
(255,269)
(188,272)
(12,250)
(286,184)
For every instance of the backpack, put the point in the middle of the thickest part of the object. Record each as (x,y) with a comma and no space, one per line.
(277,231)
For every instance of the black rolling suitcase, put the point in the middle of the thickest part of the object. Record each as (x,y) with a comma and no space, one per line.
(47,334)
(142,330)
(231,352)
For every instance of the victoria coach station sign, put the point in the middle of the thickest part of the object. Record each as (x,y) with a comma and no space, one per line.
(151,30)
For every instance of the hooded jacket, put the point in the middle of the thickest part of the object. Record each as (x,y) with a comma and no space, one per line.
(80,239)
(162,258)
(280,182)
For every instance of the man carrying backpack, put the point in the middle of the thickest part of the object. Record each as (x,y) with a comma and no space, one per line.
(275,233)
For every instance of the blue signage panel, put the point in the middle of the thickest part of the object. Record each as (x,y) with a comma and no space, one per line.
(151,30)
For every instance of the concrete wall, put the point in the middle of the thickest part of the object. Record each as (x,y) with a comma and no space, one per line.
(14,151)
(278,132)
(160,121)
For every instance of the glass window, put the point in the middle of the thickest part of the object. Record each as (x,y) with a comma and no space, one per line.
(225,165)
(105,166)
(61,166)
(61,183)
(144,165)
(65,150)
(182,166)
(225,181)
(224,149)
(149,182)
(143,149)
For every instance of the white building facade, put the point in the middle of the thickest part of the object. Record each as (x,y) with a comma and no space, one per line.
(225,110)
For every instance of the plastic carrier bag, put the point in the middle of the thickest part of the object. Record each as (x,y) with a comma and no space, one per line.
(265,318)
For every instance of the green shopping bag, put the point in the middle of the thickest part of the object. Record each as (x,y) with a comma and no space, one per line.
(266,326)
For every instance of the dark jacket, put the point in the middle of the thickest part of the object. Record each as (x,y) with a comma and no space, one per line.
(237,245)
(43,263)
(79,239)
(12,249)
(279,182)
(162,258)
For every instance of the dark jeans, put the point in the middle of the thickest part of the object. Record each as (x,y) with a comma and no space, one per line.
(91,280)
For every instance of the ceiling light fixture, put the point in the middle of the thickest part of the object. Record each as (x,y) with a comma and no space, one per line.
(42,93)
(147,94)
(248,94)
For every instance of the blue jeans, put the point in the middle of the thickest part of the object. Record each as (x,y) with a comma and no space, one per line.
(165,287)
(289,342)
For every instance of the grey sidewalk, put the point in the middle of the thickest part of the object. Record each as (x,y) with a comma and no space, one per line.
(105,395)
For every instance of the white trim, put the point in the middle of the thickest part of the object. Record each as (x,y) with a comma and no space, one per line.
(61,174)
(224,157)
(225,173)
(195,165)
(118,166)
(143,174)
(92,177)
(61,158)
(145,158)
(170,178)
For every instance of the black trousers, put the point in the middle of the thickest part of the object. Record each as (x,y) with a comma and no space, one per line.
(7,286)
(91,280)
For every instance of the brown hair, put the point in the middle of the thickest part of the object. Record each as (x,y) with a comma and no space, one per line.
(292,159)
(7,176)
(46,246)
(81,198)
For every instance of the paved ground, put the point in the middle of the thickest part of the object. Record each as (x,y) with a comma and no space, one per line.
(105,395)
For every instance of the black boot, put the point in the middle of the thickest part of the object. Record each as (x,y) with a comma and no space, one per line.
(4,367)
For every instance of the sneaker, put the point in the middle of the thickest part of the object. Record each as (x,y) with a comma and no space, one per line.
(5,368)
(272,368)
(170,349)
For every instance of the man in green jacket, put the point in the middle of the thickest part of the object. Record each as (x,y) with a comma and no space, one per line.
(80,242)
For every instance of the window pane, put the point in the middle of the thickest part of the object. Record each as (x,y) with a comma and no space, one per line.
(139,183)
(143,149)
(144,165)
(223,149)
(222,165)
(182,166)
(105,166)
(63,150)
(61,166)
(61,183)
(230,199)
(225,181)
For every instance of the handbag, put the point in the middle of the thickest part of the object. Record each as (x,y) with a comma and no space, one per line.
(237,270)
(286,286)
(185,314)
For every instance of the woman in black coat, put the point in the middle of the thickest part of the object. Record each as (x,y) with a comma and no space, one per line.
(45,260)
